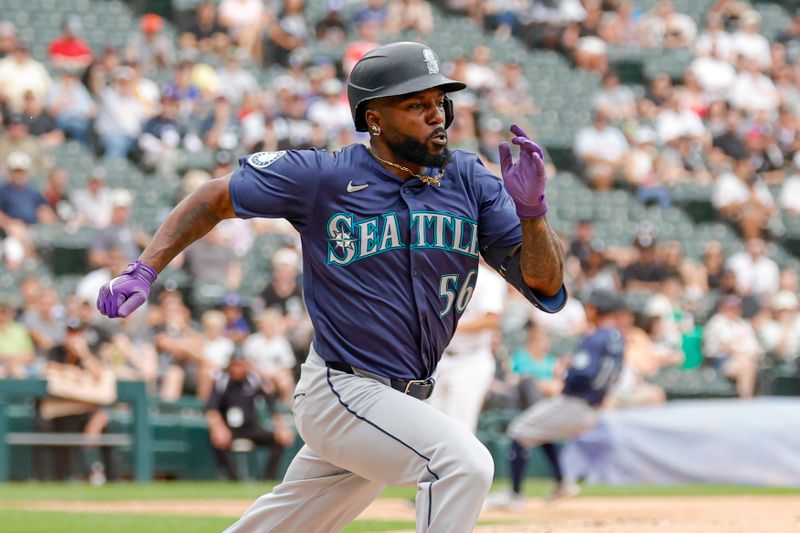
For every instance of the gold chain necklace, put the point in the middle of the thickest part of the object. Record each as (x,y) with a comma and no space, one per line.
(427,180)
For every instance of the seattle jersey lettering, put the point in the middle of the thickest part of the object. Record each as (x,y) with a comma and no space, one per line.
(350,240)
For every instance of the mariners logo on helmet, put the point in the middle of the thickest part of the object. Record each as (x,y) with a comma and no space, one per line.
(264,159)
(430,60)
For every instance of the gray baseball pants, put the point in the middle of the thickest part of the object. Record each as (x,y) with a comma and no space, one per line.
(361,435)
(552,419)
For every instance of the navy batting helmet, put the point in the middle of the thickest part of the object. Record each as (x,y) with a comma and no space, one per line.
(395,69)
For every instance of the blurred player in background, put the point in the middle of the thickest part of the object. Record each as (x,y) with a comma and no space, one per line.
(467,368)
(592,372)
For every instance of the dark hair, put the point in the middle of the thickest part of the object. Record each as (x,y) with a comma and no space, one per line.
(645,322)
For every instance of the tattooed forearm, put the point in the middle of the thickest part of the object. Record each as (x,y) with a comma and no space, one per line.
(542,258)
(189,221)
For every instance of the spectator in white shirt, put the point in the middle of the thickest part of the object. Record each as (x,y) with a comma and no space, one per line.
(715,40)
(271,353)
(790,190)
(748,42)
(663,27)
(714,74)
(331,111)
(780,332)
(756,274)
(19,74)
(480,74)
(730,341)
(217,348)
(93,203)
(616,101)
(601,148)
(571,320)
(676,121)
(71,105)
(753,91)
(245,20)
(743,198)
(121,115)
(238,80)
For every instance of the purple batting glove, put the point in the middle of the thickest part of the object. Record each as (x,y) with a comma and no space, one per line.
(123,294)
(525,180)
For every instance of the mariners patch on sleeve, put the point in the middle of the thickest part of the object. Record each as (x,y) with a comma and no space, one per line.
(264,159)
(581,360)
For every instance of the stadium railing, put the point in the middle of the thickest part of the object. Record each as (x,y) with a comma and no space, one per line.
(131,392)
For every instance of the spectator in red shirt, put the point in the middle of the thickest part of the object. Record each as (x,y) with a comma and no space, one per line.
(68,51)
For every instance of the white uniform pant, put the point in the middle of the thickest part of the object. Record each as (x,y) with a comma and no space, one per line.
(362,435)
(461,386)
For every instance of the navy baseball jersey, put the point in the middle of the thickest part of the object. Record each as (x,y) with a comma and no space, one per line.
(596,366)
(389,265)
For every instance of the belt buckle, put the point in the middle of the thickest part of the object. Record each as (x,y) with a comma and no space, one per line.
(415,382)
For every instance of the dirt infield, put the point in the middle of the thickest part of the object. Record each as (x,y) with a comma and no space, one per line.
(669,514)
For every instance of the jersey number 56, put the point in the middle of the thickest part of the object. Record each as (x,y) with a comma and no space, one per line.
(452,295)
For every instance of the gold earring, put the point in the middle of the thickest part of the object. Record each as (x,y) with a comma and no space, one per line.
(376,130)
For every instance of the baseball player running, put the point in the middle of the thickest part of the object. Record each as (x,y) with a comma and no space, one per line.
(593,371)
(391,235)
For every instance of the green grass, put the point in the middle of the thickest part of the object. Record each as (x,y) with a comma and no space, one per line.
(50,522)
(184,490)
(179,490)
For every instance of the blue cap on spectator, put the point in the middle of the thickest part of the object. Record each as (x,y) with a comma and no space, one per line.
(222,157)
(598,246)
(369,15)
(74,324)
(232,300)
(321,60)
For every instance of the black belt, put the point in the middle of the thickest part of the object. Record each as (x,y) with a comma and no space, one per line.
(420,389)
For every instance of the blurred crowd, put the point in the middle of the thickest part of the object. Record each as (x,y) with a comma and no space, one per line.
(730,125)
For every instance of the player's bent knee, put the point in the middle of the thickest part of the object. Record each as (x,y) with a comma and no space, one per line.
(478,469)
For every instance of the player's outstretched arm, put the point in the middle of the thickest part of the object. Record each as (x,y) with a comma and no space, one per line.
(192,218)
(542,259)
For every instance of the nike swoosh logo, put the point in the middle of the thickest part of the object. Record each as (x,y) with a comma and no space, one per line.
(356,188)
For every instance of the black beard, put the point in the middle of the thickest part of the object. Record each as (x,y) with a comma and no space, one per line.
(409,149)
